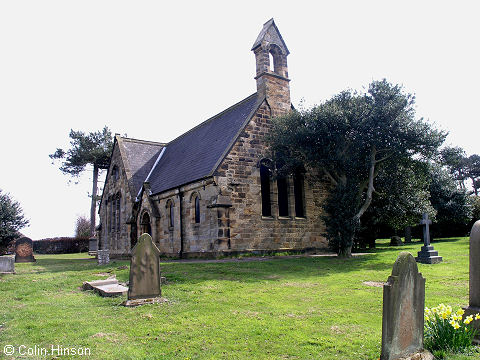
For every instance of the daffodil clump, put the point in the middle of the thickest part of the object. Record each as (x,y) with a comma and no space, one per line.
(448,330)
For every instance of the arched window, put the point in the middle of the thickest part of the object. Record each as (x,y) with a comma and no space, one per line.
(118,212)
(272,63)
(265,189)
(197,209)
(115,173)
(282,196)
(112,214)
(145,223)
(299,195)
(171,214)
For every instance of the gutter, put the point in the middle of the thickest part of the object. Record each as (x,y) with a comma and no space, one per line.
(150,173)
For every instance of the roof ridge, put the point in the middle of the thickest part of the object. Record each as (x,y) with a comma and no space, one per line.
(146,142)
(212,118)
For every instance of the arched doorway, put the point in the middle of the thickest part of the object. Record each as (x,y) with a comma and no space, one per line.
(145,224)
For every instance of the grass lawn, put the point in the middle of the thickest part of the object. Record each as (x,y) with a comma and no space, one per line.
(283,308)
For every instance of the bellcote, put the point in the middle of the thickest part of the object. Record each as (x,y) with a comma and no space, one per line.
(271,68)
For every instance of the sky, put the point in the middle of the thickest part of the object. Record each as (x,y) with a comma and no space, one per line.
(152,70)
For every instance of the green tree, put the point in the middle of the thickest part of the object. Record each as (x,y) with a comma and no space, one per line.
(402,194)
(473,171)
(11,218)
(453,204)
(349,140)
(92,149)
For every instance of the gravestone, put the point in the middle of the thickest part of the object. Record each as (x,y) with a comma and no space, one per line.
(427,254)
(144,284)
(474,280)
(7,264)
(103,257)
(408,234)
(403,306)
(396,241)
(24,250)
(106,288)
(92,246)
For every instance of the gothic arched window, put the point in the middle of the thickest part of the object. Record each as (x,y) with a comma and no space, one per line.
(171,213)
(115,173)
(197,209)
(145,223)
(265,189)
(282,188)
(299,192)
(118,212)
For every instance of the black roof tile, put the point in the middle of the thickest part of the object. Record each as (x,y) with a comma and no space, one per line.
(195,154)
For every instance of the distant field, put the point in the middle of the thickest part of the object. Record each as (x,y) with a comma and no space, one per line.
(282,308)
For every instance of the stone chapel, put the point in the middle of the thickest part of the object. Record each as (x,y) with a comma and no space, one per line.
(210,191)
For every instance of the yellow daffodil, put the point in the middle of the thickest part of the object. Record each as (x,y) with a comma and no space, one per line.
(460,312)
(477,316)
(468,319)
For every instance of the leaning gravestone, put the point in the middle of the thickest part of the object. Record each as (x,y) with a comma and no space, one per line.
(474,283)
(24,250)
(427,254)
(403,306)
(144,284)
(7,264)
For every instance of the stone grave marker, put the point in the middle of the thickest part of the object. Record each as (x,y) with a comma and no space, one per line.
(403,306)
(144,284)
(396,241)
(474,280)
(7,264)
(408,234)
(92,246)
(24,250)
(103,257)
(427,254)
(106,288)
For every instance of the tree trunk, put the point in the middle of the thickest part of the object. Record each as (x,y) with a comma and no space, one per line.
(345,252)
(93,208)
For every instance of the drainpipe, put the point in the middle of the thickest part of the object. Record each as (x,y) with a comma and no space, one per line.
(180,196)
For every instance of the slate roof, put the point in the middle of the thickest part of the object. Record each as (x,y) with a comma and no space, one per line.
(271,34)
(139,158)
(197,153)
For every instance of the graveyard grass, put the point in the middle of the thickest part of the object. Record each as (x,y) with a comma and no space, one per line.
(284,308)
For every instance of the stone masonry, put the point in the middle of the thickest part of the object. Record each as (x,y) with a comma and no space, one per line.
(230,196)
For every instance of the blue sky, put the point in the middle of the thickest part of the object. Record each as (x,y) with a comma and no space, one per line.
(153,70)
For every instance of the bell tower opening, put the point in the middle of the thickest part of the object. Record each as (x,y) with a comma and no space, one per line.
(271,68)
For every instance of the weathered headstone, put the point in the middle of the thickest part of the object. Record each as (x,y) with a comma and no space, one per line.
(396,241)
(7,264)
(474,283)
(144,284)
(427,254)
(408,234)
(103,257)
(403,306)
(92,246)
(24,250)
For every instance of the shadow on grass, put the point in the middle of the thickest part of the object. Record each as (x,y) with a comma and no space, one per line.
(242,271)
(384,247)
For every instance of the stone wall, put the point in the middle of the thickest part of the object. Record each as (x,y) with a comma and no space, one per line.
(117,241)
(239,179)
